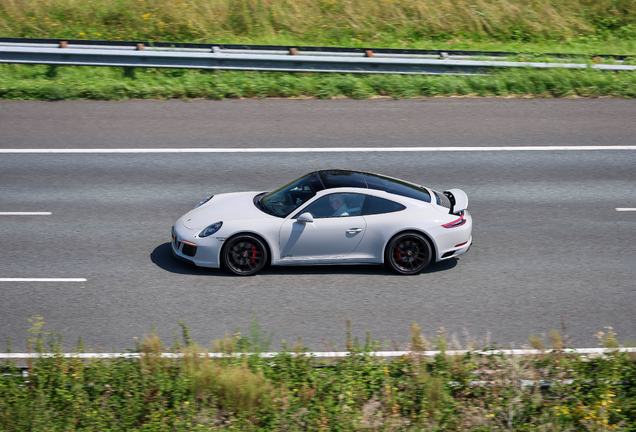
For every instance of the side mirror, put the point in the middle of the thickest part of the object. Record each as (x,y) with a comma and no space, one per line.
(305,217)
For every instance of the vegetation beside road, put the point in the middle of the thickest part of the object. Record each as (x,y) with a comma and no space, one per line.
(584,27)
(411,23)
(295,392)
(46,83)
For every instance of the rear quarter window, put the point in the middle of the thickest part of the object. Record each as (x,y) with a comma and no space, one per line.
(375,205)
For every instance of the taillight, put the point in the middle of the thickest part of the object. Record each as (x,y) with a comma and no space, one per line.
(456,223)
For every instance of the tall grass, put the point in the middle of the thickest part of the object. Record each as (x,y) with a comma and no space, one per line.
(292,392)
(580,26)
(343,22)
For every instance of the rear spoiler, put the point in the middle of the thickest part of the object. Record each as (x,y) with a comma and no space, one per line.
(458,199)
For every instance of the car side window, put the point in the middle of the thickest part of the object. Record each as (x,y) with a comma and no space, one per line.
(336,205)
(375,205)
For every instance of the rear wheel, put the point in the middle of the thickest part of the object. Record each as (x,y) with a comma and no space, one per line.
(408,253)
(244,255)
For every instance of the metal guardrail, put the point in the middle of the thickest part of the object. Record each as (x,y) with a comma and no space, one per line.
(334,354)
(265,58)
(283,49)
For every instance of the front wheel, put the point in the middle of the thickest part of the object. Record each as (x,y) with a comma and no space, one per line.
(244,255)
(408,253)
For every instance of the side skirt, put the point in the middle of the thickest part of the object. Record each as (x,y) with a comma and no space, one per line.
(291,263)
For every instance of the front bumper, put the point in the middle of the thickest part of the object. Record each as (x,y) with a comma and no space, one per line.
(204,253)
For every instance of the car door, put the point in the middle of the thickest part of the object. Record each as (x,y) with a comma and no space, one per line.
(328,237)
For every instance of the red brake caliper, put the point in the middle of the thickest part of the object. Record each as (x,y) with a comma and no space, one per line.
(398,253)
(253,255)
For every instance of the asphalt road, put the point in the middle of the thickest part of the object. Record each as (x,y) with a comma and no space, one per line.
(548,240)
(317,123)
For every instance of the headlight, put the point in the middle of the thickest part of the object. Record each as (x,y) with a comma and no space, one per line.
(211,229)
(204,201)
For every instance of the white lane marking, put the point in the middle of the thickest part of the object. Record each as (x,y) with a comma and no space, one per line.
(25,213)
(626,209)
(584,351)
(42,280)
(316,149)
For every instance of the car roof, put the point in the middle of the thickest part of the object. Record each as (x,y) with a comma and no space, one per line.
(331,179)
(335,178)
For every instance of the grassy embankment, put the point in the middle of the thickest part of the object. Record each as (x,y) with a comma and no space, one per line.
(289,393)
(577,26)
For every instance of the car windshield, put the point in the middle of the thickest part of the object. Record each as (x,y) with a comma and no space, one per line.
(288,198)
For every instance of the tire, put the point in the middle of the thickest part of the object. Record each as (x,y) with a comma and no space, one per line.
(408,253)
(244,255)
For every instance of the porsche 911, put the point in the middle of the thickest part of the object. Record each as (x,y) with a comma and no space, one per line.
(327,217)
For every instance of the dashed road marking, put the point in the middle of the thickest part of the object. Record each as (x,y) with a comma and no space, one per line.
(626,209)
(25,213)
(43,280)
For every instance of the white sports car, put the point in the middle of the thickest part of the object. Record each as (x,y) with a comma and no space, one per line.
(326,217)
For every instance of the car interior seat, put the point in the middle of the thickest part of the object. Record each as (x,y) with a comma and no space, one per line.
(354,203)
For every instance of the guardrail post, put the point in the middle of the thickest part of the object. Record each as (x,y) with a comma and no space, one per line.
(140,47)
(293,51)
(51,72)
(129,72)
(63,44)
(368,53)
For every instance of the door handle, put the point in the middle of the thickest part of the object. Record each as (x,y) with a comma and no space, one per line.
(354,230)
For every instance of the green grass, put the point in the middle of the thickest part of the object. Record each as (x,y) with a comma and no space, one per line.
(539,26)
(23,82)
(288,392)
(416,23)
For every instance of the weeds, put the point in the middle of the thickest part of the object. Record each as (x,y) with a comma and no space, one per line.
(330,22)
(583,27)
(469,392)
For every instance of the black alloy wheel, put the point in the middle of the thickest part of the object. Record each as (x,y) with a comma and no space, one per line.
(244,255)
(408,253)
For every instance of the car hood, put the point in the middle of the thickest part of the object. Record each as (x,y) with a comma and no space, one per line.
(223,207)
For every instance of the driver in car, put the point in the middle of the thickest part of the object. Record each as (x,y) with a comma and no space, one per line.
(337,203)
